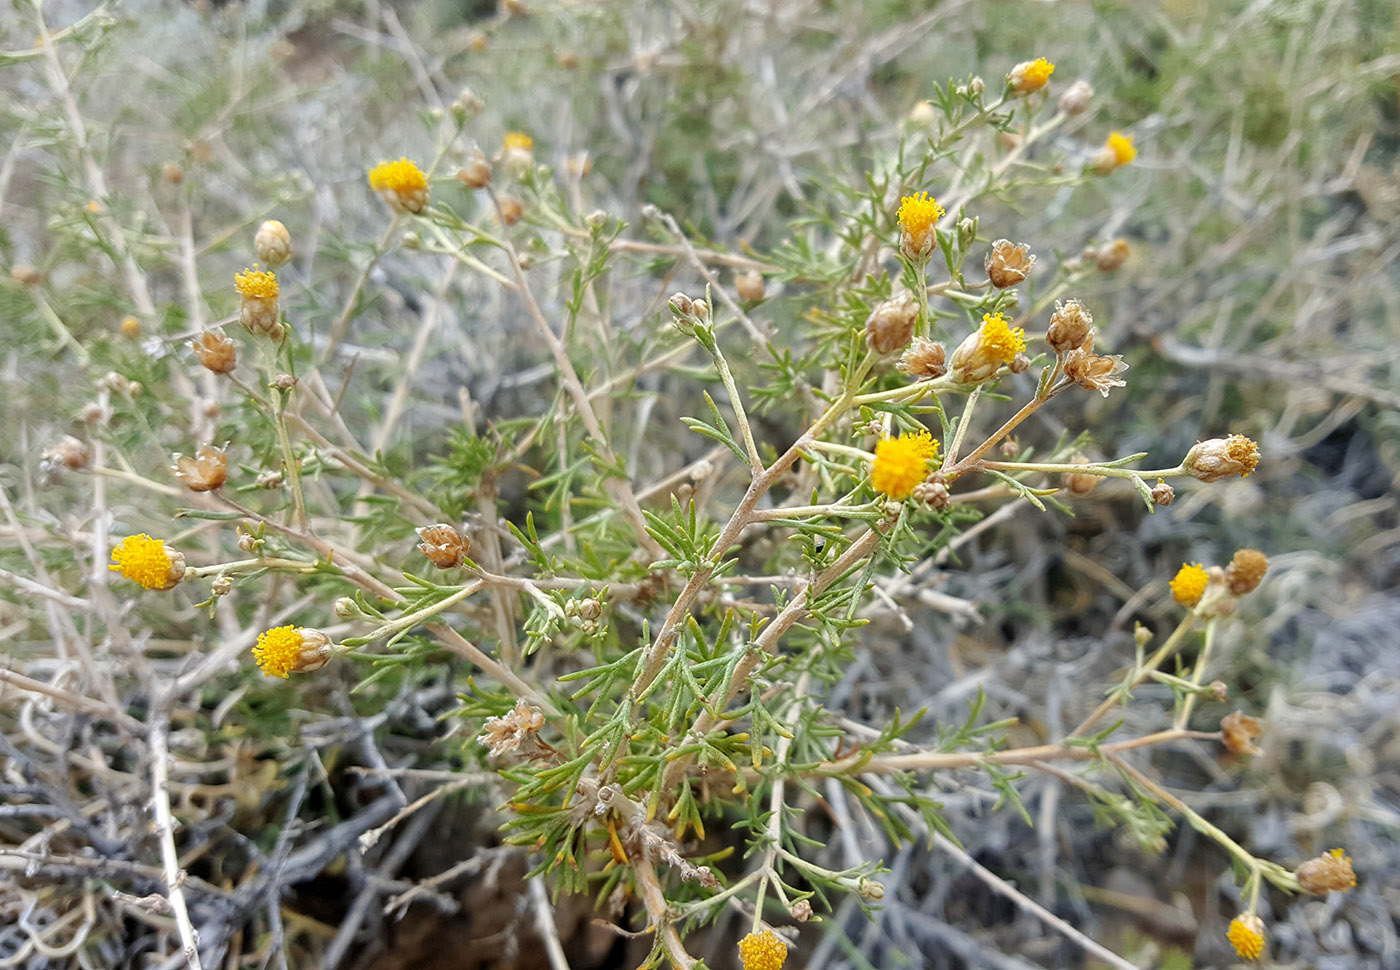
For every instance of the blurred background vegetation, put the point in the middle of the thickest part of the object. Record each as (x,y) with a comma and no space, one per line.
(1260,297)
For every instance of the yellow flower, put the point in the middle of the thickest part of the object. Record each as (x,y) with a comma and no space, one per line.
(1246,935)
(762,951)
(1030,76)
(918,216)
(901,463)
(1189,584)
(1122,147)
(285,649)
(518,140)
(999,340)
(256,284)
(144,560)
(401,184)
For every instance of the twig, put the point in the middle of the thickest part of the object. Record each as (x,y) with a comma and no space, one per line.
(165,831)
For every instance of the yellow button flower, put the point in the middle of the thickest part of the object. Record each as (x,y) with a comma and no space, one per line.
(285,649)
(1189,584)
(1030,76)
(918,217)
(901,463)
(762,951)
(401,184)
(1116,152)
(982,353)
(144,560)
(1246,935)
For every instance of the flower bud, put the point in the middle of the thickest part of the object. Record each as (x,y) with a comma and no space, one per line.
(891,324)
(1219,690)
(1163,494)
(871,889)
(1079,484)
(1218,458)
(749,286)
(967,232)
(1112,256)
(1075,99)
(131,327)
(268,479)
(467,105)
(923,359)
(444,546)
(1070,325)
(596,219)
(221,586)
(273,243)
(203,473)
(1008,263)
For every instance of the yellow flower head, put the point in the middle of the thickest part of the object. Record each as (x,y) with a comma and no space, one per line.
(256,284)
(400,176)
(285,649)
(1121,147)
(517,140)
(901,463)
(144,560)
(918,214)
(762,951)
(1030,75)
(999,340)
(1189,584)
(1246,935)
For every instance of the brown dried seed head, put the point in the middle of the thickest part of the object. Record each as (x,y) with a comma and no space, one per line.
(1245,571)
(444,546)
(69,452)
(1219,458)
(1163,494)
(924,359)
(1070,325)
(476,173)
(1238,731)
(1329,872)
(205,472)
(512,209)
(891,324)
(1095,373)
(215,351)
(1008,263)
(1112,256)
(514,733)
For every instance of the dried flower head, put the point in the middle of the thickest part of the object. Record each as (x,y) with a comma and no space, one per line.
(1329,872)
(983,352)
(401,184)
(918,219)
(203,473)
(924,359)
(1076,98)
(273,243)
(1238,731)
(1219,458)
(1008,263)
(1246,935)
(258,309)
(1112,256)
(512,209)
(901,463)
(287,649)
(215,351)
(1189,584)
(1029,76)
(749,286)
(1116,152)
(444,546)
(1070,325)
(1163,494)
(891,323)
(1079,484)
(144,560)
(476,173)
(70,452)
(1246,569)
(1095,373)
(762,951)
(515,733)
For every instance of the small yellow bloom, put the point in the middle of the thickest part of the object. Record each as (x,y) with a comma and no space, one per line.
(256,284)
(144,560)
(1122,147)
(518,140)
(1189,584)
(999,340)
(285,649)
(401,184)
(1246,935)
(918,217)
(901,463)
(762,951)
(1030,76)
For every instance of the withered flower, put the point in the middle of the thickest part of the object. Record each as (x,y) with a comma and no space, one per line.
(1008,263)
(444,546)
(1238,730)
(891,323)
(205,472)
(1095,373)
